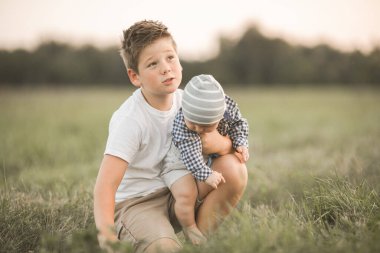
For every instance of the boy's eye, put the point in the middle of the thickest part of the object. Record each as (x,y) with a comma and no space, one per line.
(152,64)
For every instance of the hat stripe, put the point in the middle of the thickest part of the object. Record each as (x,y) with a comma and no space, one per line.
(216,117)
(201,99)
(203,108)
(204,116)
(204,123)
(203,90)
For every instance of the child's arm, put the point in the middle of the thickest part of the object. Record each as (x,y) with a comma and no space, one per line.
(238,126)
(215,143)
(242,153)
(109,177)
(191,155)
(215,179)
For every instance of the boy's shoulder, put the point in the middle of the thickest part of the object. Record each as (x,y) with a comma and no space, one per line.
(131,110)
(132,103)
(137,108)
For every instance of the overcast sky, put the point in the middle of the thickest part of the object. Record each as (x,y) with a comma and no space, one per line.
(195,24)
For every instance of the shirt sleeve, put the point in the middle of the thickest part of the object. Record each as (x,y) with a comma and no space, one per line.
(124,139)
(190,147)
(239,129)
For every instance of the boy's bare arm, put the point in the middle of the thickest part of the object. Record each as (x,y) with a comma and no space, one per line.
(111,172)
(215,143)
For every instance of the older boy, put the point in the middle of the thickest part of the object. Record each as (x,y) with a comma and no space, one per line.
(131,201)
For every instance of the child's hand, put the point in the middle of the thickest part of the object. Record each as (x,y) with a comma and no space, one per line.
(215,143)
(215,179)
(242,153)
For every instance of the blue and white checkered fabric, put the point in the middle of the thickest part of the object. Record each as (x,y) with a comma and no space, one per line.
(189,143)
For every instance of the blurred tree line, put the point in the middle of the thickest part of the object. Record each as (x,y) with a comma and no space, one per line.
(251,60)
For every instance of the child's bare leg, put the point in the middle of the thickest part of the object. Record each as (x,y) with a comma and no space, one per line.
(185,192)
(219,202)
(203,190)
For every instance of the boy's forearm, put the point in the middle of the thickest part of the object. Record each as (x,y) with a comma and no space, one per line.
(104,206)
(110,175)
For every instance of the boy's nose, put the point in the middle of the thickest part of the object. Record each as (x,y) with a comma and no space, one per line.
(165,68)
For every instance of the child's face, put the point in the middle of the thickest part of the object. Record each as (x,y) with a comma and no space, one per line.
(201,129)
(160,72)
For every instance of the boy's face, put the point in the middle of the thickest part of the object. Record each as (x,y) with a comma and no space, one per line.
(160,72)
(201,129)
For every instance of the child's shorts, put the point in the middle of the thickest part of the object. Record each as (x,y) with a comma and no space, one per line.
(173,168)
(143,220)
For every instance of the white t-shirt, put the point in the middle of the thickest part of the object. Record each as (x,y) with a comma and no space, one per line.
(141,135)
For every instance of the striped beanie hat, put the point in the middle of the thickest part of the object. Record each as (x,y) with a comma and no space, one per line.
(203,100)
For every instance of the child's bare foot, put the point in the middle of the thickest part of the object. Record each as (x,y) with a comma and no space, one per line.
(194,235)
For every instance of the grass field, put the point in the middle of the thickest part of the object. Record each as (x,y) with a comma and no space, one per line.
(314,170)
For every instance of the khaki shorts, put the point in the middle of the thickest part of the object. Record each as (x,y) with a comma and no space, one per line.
(143,220)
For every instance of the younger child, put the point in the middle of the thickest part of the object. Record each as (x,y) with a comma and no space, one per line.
(205,108)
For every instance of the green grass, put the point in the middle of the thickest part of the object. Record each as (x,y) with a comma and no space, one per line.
(314,170)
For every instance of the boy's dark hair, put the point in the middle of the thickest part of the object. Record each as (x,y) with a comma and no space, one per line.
(137,37)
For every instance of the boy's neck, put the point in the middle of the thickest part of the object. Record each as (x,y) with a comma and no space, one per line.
(161,103)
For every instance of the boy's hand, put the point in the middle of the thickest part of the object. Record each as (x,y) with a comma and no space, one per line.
(215,179)
(105,241)
(242,153)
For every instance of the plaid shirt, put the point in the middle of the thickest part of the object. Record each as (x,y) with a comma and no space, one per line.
(189,142)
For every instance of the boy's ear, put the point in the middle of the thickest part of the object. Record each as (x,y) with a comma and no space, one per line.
(134,77)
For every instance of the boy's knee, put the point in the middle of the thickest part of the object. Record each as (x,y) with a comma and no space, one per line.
(238,178)
(235,173)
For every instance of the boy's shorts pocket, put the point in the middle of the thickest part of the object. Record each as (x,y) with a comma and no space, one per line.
(124,234)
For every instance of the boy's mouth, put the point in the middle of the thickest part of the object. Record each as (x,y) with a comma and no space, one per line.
(168,80)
